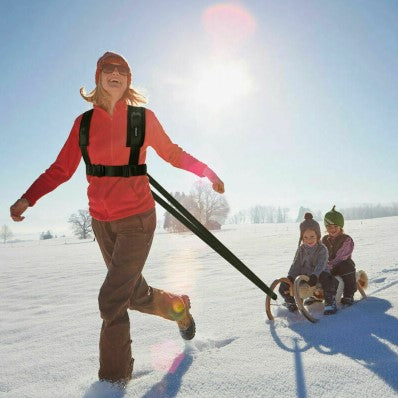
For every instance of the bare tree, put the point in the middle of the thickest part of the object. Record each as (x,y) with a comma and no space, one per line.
(262,214)
(211,208)
(238,218)
(258,214)
(171,223)
(5,233)
(206,205)
(285,210)
(81,224)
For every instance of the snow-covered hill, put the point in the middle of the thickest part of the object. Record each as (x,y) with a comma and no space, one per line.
(50,323)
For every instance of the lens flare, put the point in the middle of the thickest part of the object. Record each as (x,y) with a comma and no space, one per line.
(228,25)
(166,356)
(177,306)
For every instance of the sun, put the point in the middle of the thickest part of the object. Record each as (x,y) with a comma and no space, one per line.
(220,85)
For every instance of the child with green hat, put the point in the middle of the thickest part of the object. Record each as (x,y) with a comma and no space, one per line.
(340,247)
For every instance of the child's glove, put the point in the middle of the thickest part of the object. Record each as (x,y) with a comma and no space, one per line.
(313,280)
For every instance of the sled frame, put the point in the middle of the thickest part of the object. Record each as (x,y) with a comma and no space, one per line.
(300,290)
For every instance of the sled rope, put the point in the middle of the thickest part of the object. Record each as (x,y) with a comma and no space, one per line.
(185,217)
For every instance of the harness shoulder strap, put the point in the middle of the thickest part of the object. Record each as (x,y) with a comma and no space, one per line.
(84,132)
(135,140)
(135,132)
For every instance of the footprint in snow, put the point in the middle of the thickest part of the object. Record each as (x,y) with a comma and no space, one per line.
(210,344)
(390,270)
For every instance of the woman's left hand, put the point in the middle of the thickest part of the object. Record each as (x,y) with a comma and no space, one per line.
(218,186)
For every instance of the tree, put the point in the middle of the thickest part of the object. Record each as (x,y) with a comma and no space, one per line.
(258,214)
(170,222)
(81,224)
(211,207)
(5,233)
(301,213)
(46,235)
(238,218)
(262,214)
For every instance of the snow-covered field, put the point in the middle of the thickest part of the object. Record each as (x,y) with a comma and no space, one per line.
(50,323)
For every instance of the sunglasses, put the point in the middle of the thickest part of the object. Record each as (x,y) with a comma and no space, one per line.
(110,68)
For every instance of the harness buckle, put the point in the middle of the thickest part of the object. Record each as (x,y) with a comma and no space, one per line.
(126,171)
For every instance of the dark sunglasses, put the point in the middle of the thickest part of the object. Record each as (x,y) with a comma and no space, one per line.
(109,68)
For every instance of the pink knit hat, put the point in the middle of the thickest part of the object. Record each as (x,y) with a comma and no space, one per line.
(110,57)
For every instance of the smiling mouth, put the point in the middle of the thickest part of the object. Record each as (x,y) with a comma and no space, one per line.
(114,81)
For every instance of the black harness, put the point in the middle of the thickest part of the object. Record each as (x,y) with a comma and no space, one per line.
(135,140)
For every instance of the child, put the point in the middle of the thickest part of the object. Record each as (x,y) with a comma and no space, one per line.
(340,247)
(311,259)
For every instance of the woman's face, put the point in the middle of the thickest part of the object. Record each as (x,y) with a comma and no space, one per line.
(113,80)
(333,230)
(310,238)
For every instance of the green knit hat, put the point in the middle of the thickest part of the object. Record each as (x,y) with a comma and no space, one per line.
(333,217)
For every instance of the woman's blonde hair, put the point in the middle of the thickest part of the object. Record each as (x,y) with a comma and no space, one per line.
(101,98)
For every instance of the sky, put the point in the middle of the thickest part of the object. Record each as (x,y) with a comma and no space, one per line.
(50,321)
(290,103)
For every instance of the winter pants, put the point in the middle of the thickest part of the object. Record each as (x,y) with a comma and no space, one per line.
(326,280)
(125,245)
(346,270)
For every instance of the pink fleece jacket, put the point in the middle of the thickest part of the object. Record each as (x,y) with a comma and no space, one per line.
(113,198)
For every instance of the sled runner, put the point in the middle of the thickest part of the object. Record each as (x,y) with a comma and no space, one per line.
(300,290)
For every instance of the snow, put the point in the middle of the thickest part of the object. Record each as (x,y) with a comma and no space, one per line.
(50,322)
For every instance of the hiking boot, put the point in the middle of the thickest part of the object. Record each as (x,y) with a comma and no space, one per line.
(330,305)
(347,300)
(311,300)
(291,304)
(186,324)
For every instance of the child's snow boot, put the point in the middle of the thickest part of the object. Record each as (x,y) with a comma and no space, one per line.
(291,304)
(330,305)
(311,300)
(347,300)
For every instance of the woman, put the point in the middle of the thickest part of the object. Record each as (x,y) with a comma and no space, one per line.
(122,209)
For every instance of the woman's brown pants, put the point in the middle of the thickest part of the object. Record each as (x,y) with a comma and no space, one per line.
(125,245)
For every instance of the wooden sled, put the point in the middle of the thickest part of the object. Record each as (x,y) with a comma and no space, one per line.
(301,290)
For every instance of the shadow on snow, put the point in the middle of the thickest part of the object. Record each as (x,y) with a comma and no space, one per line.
(361,333)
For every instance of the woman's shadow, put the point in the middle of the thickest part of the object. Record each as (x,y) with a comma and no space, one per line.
(170,384)
(168,387)
(363,334)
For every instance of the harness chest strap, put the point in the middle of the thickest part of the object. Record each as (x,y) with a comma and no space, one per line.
(134,140)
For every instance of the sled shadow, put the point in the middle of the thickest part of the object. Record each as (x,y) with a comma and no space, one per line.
(362,333)
(169,386)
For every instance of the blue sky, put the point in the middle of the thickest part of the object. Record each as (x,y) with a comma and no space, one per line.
(291,103)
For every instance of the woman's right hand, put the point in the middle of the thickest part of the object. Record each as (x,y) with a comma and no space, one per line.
(18,208)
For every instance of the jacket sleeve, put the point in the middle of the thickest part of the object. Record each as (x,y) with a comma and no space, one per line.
(170,152)
(60,171)
(295,268)
(343,253)
(321,263)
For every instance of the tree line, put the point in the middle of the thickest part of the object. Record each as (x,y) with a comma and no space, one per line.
(212,211)
(260,215)
(278,214)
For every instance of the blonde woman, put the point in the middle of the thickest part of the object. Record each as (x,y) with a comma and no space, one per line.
(122,208)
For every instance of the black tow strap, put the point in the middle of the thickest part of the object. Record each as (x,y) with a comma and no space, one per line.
(185,217)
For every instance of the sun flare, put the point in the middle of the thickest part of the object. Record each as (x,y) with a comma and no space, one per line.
(220,85)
